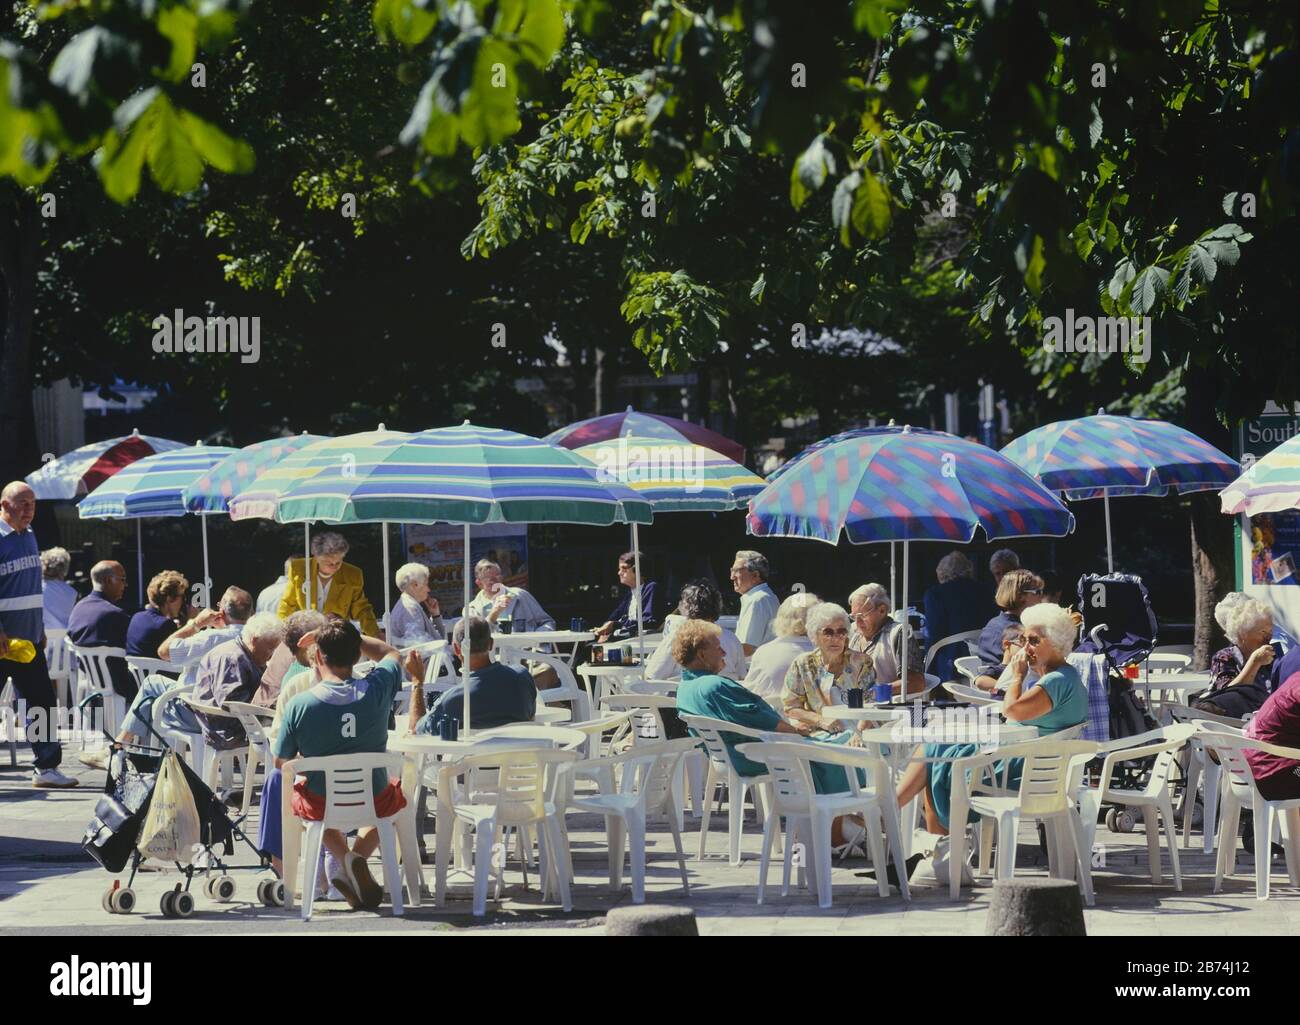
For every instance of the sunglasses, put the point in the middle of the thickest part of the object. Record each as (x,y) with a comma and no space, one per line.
(831,631)
(1033,640)
(1032,590)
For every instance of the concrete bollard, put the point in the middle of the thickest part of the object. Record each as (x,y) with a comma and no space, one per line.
(1036,907)
(650,920)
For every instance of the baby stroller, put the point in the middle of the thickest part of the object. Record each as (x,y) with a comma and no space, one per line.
(1120,625)
(112,836)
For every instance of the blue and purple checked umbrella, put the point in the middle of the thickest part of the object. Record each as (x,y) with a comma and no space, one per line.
(1105,456)
(905,485)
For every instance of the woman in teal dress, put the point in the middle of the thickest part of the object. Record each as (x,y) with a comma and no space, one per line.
(1057,701)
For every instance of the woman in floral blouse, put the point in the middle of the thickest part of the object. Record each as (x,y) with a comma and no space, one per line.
(822,676)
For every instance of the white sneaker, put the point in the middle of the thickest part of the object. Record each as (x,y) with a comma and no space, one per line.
(52,779)
(95,759)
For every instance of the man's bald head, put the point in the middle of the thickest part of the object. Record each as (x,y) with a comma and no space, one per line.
(109,578)
(18,504)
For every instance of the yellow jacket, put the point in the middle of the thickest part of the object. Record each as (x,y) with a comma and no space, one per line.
(346,597)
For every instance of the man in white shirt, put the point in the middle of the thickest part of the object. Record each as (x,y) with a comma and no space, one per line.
(495,600)
(268,599)
(758,602)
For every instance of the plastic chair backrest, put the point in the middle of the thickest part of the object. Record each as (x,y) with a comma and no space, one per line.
(568,690)
(1231,750)
(710,731)
(968,665)
(93,663)
(252,718)
(647,718)
(142,667)
(792,784)
(1045,778)
(964,637)
(1164,663)
(58,653)
(1187,714)
(349,794)
(521,784)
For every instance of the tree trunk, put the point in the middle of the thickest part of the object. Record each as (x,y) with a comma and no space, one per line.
(1211,531)
(598,385)
(20,228)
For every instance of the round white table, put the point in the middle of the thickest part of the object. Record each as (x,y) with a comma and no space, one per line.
(1179,684)
(536,638)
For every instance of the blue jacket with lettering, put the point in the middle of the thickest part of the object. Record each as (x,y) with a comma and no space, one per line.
(21,602)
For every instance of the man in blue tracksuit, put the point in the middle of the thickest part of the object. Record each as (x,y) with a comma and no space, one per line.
(22,618)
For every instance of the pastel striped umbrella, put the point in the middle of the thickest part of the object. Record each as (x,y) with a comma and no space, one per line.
(1271,484)
(906,486)
(80,471)
(1105,456)
(466,475)
(152,486)
(674,476)
(613,426)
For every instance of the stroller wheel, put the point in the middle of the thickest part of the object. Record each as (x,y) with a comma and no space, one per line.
(1125,821)
(183,904)
(106,901)
(271,893)
(223,889)
(166,904)
(1110,819)
(123,901)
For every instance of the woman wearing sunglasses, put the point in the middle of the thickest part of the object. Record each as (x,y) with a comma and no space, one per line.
(1017,591)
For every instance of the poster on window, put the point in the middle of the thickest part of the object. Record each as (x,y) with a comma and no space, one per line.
(441,548)
(1270,542)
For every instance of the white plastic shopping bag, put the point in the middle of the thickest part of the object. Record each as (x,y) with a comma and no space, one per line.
(171,827)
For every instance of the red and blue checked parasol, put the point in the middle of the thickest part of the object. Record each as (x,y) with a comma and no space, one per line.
(613,426)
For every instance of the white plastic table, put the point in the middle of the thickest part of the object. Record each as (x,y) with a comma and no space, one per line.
(1179,684)
(597,674)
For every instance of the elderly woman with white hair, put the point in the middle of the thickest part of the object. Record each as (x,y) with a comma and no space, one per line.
(771,662)
(417,617)
(337,587)
(876,635)
(58,594)
(1057,701)
(823,676)
(1240,674)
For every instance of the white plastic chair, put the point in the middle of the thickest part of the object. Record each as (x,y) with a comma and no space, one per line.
(1202,772)
(965,636)
(1153,799)
(94,678)
(1045,785)
(212,761)
(1240,789)
(520,802)
(645,789)
(9,720)
(255,719)
(973,695)
(58,655)
(191,745)
(349,804)
(568,690)
(968,666)
(810,814)
(722,771)
(141,668)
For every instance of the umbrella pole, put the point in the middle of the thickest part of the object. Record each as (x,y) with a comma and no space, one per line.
(1110,561)
(893,582)
(139,560)
(306,563)
(640,611)
(387,575)
(207,579)
(906,624)
(464,637)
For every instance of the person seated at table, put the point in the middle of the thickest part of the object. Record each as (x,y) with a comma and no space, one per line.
(1054,589)
(758,602)
(336,586)
(499,694)
(1277,722)
(161,616)
(1241,672)
(771,662)
(340,715)
(822,677)
(1056,702)
(495,600)
(1013,639)
(622,621)
(1002,562)
(300,632)
(700,600)
(185,647)
(97,621)
(416,618)
(697,645)
(877,636)
(1017,591)
(58,595)
(232,672)
(956,604)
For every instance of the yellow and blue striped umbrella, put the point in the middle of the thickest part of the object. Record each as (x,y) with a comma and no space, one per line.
(674,475)
(152,486)
(1270,484)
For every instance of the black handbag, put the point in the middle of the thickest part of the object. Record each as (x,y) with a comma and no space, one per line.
(112,834)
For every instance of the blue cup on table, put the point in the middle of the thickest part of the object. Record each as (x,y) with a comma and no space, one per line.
(853,697)
(883,693)
(614,656)
(448,728)
(577,624)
